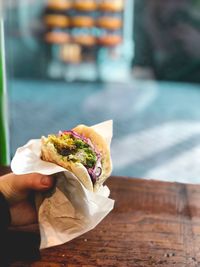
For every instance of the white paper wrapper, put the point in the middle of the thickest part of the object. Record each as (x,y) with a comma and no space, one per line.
(70,209)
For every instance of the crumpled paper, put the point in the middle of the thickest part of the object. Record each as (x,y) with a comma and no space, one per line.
(69,209)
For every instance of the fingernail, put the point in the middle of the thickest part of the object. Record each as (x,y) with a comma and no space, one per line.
(45,180)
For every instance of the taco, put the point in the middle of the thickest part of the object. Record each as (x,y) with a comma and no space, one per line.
(82,151)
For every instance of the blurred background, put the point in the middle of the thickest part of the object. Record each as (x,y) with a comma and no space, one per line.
(85,61)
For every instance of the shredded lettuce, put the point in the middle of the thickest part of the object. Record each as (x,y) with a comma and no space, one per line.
(77,148)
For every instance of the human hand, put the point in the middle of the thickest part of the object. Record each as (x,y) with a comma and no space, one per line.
(17,189)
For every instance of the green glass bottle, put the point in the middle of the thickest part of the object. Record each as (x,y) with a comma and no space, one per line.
(4,136)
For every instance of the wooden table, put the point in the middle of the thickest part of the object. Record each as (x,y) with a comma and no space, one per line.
(152,224)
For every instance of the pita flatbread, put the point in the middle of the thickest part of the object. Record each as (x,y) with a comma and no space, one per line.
(99,142)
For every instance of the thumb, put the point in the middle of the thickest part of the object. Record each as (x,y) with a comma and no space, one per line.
(16,187)
(35,181)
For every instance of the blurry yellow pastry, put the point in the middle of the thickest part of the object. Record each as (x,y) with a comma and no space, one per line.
(57,37)
(111,5)
(82,21)
(57,21)
(110,23)
(85,5)
(59,4)
(110,40)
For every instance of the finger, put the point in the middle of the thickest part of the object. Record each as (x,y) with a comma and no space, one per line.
(36,182)
(16,187)
(17,212)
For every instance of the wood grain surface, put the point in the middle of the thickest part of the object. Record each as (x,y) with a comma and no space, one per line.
(152,224)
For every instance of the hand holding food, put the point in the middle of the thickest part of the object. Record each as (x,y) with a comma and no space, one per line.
(79,159)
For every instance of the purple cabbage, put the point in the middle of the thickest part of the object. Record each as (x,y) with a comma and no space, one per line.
(96,171)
